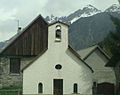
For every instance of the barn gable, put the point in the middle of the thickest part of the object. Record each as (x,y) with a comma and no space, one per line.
(85,53)
(30,42)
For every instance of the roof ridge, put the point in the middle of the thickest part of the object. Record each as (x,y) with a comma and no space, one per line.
(24,29)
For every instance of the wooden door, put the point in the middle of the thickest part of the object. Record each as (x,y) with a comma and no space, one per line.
(58,86)
(105,89)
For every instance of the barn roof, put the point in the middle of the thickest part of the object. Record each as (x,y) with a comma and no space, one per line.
(85,53)
(7,50)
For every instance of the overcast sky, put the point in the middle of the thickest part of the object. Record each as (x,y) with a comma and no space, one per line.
(27,10)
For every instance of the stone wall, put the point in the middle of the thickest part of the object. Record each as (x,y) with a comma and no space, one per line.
(11,80)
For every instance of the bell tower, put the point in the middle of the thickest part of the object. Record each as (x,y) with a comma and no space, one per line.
(58,35)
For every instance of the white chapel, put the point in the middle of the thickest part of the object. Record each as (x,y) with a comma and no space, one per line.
(58,69)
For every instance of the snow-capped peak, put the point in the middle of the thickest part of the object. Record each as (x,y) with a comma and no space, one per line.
(87,11)
(89,7)
(113,8)
(51,18)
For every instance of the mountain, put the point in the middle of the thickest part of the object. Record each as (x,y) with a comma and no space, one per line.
(88,26)
(113,8)
(89,31)
(87,11)
(2,44)
(92,30)
(51,18)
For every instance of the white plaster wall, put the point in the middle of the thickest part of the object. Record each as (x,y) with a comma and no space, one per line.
(43,69)
(101,73)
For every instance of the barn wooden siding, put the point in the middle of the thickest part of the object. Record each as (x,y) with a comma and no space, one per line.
(31,42)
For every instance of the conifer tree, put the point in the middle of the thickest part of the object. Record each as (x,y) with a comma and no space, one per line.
(112,41)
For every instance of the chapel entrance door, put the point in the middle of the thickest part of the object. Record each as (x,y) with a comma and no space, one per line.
(58,86)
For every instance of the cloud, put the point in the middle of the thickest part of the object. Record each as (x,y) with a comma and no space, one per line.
(27,10)
(63,7)
(24,10)
(7,29)
(7,14)
(6,35)
(107,3)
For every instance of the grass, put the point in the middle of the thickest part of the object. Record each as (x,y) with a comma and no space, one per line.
(9,93)
(13,90)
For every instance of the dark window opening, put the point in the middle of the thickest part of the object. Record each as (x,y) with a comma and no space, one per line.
(94,88)
(119,69)
(58,33)
(119,87)
(95,84)
(58,67)
(15,65)
(75,88)
(40,88)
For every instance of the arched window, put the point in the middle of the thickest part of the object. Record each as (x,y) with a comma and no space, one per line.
(75,88)
(94,88)
(40,88)
(58,33)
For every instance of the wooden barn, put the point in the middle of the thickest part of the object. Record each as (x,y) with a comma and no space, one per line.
(21,49)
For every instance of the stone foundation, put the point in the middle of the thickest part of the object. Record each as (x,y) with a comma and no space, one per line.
(11,80)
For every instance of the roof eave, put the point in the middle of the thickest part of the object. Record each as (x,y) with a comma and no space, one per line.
(59,22)
(34,59)
(78,56)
